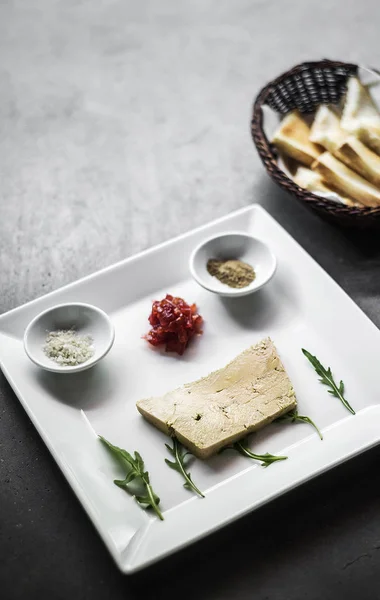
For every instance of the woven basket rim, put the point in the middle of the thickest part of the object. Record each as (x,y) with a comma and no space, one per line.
(267,154)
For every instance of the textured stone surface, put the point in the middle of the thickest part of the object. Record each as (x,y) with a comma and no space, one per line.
(122,124)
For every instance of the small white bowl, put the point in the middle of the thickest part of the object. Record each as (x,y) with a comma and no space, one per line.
(233,245)
(85,319)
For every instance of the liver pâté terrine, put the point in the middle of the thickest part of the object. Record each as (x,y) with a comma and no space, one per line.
(217,410)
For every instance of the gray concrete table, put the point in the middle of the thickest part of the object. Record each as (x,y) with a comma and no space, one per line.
(122,124)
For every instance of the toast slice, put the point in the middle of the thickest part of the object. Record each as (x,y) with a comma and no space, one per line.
(313,182)
(326,129)
(360,115)
(360,158)
(335,173)
(217,410)
(292,138)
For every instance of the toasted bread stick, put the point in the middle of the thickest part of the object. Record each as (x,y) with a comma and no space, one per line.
(326,129)
(292,138)
(313,182)
(360,115)
(334,172)
(361,159)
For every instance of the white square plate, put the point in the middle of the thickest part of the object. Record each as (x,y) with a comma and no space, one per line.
(301,307)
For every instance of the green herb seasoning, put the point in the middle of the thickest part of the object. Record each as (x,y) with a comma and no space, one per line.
(180,456)
(243,449)
(234,273)
(294,417)
(137,480)
(326,377)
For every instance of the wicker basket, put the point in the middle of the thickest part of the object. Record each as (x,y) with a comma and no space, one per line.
(305,87)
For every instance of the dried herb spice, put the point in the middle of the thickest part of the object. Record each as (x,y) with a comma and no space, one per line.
(234,273)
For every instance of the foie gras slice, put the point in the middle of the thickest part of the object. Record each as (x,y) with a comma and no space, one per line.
(292,138)
(217,410)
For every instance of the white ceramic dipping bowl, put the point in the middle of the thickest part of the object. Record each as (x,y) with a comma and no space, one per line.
(85,319)
(233,245)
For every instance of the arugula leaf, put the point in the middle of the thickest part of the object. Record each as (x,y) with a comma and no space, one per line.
(135,471)
(326,377)
(294,417)
(243,449)
(180,455)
